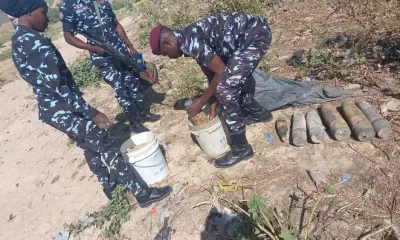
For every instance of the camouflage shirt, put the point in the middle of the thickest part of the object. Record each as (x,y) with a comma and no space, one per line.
(80,16)
(41,65)
(222,35)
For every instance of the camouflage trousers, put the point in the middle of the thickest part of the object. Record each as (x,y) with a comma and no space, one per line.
(230,91)
(96,145)
(126,85)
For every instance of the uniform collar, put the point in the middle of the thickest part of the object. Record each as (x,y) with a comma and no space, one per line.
(25,29)
(179,37)
(83,1)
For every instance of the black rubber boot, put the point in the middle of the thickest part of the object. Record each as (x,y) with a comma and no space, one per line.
(254,113)
(149,195)
(135,121)
(146,115)
(240,150)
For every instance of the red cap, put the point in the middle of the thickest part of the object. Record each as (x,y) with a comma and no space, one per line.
(155,36)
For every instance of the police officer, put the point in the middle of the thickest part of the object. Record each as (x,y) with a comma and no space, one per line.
(81,16)
(60,102)
(228,48)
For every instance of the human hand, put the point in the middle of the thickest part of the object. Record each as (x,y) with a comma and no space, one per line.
(213,111)
(102,121)
(196,107)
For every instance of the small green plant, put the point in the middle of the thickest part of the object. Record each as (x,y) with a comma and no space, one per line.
(371,14)
(53,31)
(257,7)
(116,213)
(5,36)
(85,74)
(70,143)
(53,15)
(190,85)
(258,225)
(324,64)
(6,54)
(123,4)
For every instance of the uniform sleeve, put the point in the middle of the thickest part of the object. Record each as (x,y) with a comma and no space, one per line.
(38,66)
(67,16)
(201,51)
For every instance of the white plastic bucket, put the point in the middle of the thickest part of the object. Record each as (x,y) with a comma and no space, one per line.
(148,161)
(211,137)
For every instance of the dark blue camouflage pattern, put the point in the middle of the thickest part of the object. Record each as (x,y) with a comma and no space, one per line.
(240,40)
(61,106)
(99,144)
(80,16)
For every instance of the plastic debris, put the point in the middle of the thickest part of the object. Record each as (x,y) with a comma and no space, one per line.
(338,41)
(153,211)
(273,92)
(165,231)
(226,223)
(231,186)
(297,58)
(329,190)
(63,236)
(346,178)
(369,192)
(268,137)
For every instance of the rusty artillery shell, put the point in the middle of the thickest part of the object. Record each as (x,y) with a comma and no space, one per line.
(359,124)
(315,127)
(299,134)
(282,129)
(336,124)
(381,125)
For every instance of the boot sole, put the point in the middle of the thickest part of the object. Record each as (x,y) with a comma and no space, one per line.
(150,120)
(245,159)
(148,203)
(266,121)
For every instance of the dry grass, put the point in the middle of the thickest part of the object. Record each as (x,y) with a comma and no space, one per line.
(371,14)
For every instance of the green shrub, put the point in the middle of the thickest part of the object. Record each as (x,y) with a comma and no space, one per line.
(6,54)
(53,16)
(257,7)
(180,14)
(85,74)
(371,14)
(123,4)
(190,84)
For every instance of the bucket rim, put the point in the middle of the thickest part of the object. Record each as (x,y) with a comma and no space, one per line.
(216,122)
(144,149)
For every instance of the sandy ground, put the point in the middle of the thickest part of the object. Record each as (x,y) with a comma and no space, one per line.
(46,182)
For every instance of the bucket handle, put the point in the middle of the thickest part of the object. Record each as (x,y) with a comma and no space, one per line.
(147,166)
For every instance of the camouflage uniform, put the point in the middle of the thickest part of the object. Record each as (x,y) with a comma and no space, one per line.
(241,40)
(61,106)
(80,15)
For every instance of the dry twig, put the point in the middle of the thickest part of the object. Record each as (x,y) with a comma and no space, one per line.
(375,232)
